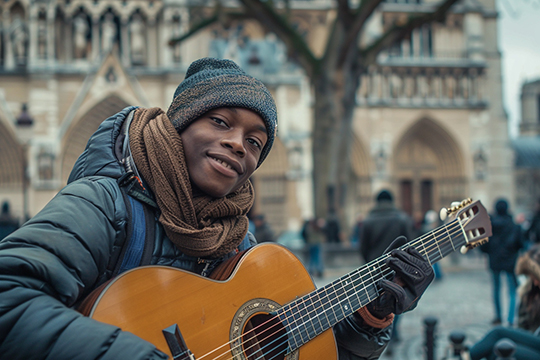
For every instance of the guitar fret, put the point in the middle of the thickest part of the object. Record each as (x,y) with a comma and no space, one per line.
(449,237)
(318,307)
(305,325)
(317,326)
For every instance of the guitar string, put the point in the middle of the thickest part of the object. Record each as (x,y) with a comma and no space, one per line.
(439,230)
(444,227)
(282,343)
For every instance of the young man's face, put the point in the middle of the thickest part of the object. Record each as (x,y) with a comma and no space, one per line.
(222,149)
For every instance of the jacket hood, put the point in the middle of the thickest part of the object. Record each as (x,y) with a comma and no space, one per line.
(99,156)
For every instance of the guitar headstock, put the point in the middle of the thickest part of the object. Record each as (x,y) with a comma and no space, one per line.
(474,219)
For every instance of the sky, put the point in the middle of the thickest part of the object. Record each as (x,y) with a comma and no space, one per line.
(519,42)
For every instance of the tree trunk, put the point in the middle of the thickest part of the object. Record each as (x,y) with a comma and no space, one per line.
(332,138)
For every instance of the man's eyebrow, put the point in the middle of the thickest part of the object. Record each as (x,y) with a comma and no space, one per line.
(261,128)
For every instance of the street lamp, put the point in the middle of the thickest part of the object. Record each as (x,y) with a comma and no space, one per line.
(25,124)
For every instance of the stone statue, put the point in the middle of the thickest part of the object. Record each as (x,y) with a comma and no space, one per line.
(137,43)
(42,38)
(80,33)
(176,32)
(108,33)
(19,38)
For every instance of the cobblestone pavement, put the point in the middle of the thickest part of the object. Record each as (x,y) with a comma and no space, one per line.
(460,301)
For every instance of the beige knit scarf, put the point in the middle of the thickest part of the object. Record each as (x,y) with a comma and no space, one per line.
(198,224)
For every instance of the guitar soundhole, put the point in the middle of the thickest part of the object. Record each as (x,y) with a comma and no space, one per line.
(264,338)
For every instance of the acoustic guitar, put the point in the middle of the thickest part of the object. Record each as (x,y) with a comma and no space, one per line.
(266,306)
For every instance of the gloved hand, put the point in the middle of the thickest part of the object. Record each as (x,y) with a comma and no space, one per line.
(413,274)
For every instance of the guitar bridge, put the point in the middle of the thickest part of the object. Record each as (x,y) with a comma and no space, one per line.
(177,345)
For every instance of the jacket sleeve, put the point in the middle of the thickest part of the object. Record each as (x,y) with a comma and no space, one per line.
(357,341)
(49,264)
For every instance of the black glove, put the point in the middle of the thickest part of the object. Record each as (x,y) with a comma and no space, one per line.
(413,274)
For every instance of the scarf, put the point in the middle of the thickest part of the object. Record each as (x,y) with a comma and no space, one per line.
(198,224)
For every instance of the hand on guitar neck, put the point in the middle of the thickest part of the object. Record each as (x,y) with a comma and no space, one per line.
(413,274)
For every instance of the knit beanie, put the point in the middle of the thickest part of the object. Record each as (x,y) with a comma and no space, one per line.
(384,195)
(213,83)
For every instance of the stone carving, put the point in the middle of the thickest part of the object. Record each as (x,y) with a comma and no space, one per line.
(137,43)
(108,32)
(80,37)
(42,38)
(19,40)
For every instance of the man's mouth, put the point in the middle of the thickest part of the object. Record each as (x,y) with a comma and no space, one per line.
(228,166)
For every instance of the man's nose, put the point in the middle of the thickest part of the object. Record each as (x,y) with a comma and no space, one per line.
(235,142)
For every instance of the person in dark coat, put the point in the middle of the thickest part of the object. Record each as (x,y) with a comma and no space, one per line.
(263,230)
(382,225)
(8,223)
(190,167)
(502,250)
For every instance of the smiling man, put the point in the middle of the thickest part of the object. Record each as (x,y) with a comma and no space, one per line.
(189,170)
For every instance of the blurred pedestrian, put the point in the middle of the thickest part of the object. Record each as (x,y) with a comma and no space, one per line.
(332,229)
(382,226)
(527,335)
(8,223)
(529,292)
(532,234)
(502,249)
(263,231)
(431,222)
(357,229)
(314,236)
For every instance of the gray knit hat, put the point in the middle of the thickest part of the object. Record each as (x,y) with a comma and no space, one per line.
(212,83)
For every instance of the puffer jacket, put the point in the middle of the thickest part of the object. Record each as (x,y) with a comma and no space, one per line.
(60,255)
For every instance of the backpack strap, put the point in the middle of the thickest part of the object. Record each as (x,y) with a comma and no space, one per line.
(139,243)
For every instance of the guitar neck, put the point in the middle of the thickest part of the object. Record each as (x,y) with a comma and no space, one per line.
(318,311)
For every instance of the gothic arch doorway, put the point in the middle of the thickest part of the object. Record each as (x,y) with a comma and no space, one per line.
(428,169)
(272,190)
(76,137)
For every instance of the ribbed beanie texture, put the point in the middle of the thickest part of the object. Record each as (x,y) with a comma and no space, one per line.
(213,83)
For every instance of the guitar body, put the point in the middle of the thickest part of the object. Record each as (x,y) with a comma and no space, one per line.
(212,316)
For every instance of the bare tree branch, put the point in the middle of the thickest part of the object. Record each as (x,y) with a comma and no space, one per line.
(195,29)
(271,20)
(364,11)
(399,32)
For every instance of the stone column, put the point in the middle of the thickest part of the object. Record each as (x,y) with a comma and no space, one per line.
(32,52)
(96,43)
(152,43)
(124,42)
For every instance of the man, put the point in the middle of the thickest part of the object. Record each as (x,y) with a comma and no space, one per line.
(383,224)
(190,167)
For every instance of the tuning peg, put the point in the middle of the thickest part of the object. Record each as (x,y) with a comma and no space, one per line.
(443,214)
(464,249)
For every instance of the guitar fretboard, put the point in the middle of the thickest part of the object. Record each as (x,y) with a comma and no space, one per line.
(318,311)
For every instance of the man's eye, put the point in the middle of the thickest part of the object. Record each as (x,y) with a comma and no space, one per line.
(254,142)
(219,121)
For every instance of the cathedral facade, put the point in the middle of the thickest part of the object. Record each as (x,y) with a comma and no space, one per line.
(429,123)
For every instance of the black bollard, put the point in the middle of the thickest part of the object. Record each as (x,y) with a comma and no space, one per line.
(504,349)
(457,350)
(429,346)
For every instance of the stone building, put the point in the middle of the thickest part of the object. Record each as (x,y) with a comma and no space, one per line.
(429,125)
